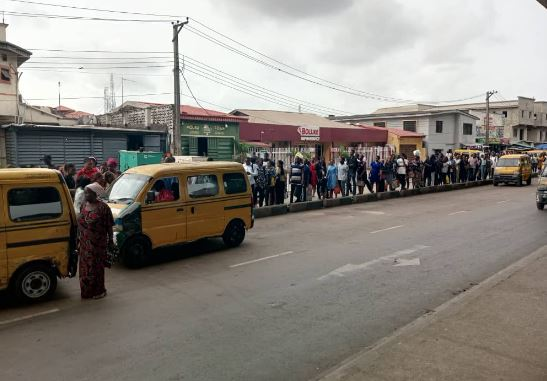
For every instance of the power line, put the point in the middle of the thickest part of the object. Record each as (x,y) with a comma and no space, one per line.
(100,51)
(93,9)
(81,18)
(326,84)
(222,75)
(334,86)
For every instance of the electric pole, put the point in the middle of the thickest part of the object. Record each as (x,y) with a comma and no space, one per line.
(487,119)
(176,139)
(59,94)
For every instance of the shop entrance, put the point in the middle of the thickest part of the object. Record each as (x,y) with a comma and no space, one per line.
(202,147)
(319,151)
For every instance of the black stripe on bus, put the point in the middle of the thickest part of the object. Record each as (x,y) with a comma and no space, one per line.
(237,207)
(37,242)
(36,226)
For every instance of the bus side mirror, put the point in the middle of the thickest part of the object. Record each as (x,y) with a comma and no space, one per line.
(150,197)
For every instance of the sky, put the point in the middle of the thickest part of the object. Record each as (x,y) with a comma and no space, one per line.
(323,56)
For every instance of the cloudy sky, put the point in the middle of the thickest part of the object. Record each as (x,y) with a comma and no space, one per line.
(345,56)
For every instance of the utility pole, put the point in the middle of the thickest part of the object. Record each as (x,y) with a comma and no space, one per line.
(487,120)
(124,80)
(59,94)
(176,148)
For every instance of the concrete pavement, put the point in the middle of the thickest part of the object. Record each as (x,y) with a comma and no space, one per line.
(303,293)
(496,331)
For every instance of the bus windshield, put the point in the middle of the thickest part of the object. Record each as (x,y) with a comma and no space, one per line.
(127,187)
(506,162)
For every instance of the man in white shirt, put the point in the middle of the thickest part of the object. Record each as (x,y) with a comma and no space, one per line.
(252,172)
(343,176)
(402,164)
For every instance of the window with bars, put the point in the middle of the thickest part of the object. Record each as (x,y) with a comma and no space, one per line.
(409,125)
(439,126)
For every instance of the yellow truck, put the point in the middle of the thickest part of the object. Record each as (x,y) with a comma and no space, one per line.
(167,204)
(37,232)
(514,169)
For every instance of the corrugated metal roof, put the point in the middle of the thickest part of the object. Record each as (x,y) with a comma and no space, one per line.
(290,118)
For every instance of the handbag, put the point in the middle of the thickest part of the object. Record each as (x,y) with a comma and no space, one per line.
(360,183)
(337,190)
(112,255)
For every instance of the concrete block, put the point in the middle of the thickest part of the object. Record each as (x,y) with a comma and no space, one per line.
(348,200)
(409,192)
(279,209)
(314,205)
(331,202)
(388,195)
(366,197)
(426,190)
(297,207)
(265,211)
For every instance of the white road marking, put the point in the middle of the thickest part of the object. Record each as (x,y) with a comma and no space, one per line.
(349,268)
(502,202)
(29,316)
(407,262)
(262,259)
(458,212)
(386,229)
(373,212)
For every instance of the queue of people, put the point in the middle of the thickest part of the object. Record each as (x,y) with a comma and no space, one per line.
(306,179)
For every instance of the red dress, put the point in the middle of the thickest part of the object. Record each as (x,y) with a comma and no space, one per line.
(313,180)
(93,230)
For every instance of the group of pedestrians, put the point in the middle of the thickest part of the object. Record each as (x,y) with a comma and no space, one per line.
(351,175)
(268,180)
(95,222)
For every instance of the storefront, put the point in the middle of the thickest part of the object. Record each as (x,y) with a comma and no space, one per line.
(26,144)
(209,133)
(406,142)
(309,133)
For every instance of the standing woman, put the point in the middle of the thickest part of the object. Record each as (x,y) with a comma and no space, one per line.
(332,179)
(280,183)
(375,168)
(95,237)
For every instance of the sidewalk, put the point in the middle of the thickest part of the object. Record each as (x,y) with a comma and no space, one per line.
(495,331)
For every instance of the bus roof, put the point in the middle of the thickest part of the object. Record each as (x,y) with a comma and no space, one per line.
(26,174)
(155,170)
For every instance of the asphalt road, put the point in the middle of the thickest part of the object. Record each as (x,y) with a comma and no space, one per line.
(304,292)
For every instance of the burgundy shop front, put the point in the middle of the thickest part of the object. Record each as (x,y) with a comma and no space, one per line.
(321,139)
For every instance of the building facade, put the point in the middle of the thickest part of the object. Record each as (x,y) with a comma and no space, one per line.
(26,144)
(306,132)
(441,130)
(203,132)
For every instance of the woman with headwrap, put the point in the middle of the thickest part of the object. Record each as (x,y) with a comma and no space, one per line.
(95,237)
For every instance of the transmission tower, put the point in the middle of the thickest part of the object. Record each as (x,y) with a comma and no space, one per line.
(112,93)
(107,103)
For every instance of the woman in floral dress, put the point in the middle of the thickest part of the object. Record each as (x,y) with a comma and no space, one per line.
(95,237)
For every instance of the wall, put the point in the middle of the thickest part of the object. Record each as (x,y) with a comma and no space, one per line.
(8,91)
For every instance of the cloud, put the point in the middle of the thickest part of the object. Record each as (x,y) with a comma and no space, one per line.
(292,9)
(372,30)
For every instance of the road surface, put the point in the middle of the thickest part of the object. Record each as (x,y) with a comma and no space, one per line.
(304,292)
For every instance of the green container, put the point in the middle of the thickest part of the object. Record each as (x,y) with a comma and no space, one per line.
(130,159)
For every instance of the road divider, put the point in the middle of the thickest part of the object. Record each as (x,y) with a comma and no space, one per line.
(276,210)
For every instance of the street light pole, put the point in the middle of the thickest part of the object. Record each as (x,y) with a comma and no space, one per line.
(487,120)
(176,148)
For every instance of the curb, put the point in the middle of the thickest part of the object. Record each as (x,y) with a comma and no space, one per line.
(276,210)
(448,308)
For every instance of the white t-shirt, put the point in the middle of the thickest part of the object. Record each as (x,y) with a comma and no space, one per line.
(253,170)
(401,166)
(343,172)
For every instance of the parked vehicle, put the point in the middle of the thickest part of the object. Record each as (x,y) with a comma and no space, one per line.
(541,193)
(515,168)
(168,204)
(37,232)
